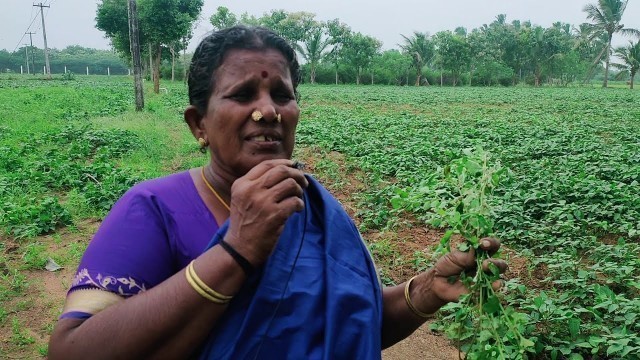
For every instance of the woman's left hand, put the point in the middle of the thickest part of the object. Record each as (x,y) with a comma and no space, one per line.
(434,288)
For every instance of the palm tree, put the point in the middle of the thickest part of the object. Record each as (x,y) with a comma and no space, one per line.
(606,17)
(421,50)
(630,57)
(589,47)
(312,49)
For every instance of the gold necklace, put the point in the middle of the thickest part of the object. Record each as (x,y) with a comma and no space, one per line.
(214,190)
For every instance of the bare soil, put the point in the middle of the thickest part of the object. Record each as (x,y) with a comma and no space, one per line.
(40,305)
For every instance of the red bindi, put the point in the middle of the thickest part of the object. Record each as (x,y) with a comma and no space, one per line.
(265,74)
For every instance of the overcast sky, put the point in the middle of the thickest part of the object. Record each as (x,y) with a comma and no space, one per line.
(72,22)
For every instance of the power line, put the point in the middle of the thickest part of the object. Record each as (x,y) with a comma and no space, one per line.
(28,28)
(36,15)
(46,15)
(31,15)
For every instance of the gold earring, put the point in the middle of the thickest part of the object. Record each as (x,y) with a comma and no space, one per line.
(279,118)
(256,115)
(203,145)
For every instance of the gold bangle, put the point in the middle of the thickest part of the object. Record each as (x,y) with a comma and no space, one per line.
(205,287)
(201,288)
(200,291)
(410,304)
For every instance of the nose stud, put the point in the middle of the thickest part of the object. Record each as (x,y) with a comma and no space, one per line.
(257,116)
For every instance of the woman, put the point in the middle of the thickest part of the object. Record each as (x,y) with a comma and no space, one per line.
(286,274)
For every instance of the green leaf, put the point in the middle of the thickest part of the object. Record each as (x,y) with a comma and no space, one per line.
(574,327)
(473,167)
(526,343)
(564,350)
(614,348)
(397,202)
(484,335)
(492,306)
(446,237)
(464,247)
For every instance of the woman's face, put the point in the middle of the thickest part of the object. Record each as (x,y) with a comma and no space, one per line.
(249,81)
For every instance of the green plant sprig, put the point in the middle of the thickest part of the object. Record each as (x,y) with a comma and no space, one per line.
(483,324)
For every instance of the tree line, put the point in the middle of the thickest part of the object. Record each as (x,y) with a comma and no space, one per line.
(74,59)
(499,53)
(502,52)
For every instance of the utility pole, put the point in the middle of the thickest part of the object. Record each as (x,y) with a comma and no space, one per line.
(44,34)
(31,50)
(26,55)
(135,54)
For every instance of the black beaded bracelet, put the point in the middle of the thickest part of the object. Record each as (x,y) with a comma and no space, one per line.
(241,260)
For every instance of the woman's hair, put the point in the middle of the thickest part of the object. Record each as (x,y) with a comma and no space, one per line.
(212,49)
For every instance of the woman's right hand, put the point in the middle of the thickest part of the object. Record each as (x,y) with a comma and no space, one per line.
(261,203)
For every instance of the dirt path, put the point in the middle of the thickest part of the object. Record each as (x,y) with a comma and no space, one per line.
(422,344)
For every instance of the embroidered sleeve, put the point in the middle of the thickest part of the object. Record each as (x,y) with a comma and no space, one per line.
(131,251)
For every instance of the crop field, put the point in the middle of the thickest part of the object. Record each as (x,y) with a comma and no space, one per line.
(566,205)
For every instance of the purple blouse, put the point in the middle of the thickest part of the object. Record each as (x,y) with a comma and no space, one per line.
(151,233)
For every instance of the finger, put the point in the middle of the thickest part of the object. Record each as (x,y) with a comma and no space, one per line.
(499,263)
(490,245)
(290,205)
(285,189)
(280,173)
(455,262)
(452,291)
(497,285)
(260,169)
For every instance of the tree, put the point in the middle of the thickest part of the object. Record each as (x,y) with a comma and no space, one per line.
(421,50)
(223,18)
(360,50)
(293,27)
(392,68)
(134,38)
(560,59)
(174,49)
(537,53)
(606,16)
(165,22)
(589,48)
(453,53)
(162,22)
(313,47)
(339,34)
(505,42)
(112,18)
(486,58)
(249,20)
(630,60)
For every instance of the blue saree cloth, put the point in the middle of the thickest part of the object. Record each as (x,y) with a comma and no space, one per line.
(317,297)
